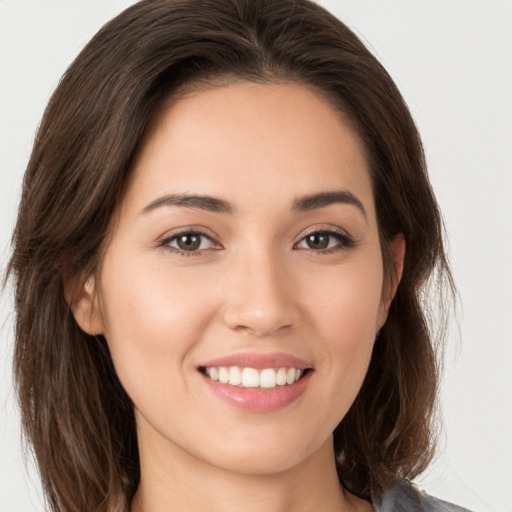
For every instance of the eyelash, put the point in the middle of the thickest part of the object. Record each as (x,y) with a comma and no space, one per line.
(187,232)
(344,241)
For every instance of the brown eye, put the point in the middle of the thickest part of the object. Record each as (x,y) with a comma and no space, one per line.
(318,240)
(188,242)
(326,241)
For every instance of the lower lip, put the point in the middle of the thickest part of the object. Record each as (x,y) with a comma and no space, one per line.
(257,399)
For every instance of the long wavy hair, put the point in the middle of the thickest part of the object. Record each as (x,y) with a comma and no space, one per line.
(75,413)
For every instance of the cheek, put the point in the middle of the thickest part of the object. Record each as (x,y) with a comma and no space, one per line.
(146,304)
(346,309)
(152,322)
(346,301)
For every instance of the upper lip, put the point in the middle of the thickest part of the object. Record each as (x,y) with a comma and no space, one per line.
(260,361)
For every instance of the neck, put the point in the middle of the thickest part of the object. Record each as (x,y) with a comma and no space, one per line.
(178,481)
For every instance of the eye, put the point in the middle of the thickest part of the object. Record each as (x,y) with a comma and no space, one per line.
(325,241)
(188,242)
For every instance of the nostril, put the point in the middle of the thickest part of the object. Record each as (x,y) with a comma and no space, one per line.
(260,323)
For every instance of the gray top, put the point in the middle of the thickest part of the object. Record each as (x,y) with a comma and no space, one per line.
(405,497)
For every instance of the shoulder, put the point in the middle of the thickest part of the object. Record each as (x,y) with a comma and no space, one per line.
(406,497)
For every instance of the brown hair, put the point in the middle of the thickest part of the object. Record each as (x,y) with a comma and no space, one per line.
(75,412)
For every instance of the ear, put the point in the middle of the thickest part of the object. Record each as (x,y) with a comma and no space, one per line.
(84,305)
(397,249)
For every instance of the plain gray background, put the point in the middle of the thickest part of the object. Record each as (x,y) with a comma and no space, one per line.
(452,60)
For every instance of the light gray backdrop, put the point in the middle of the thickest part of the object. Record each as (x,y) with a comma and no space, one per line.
(452,59)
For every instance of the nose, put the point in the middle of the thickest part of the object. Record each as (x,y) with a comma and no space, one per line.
(261,298)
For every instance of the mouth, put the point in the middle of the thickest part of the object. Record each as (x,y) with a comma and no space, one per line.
(257,382)
(253,378)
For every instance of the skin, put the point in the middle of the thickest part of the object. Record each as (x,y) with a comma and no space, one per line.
(253,285)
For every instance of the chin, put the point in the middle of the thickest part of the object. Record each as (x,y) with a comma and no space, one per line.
(262,463)
(263,455)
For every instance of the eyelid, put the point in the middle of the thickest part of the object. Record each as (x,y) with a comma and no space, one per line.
(346,241)
(166,239)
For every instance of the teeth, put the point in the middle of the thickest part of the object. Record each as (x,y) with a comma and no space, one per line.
(281,377)
(223,375)
(235,376)
(250,378)
(267,378)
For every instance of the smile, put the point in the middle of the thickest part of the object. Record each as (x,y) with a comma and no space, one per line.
(257,382)
(266,378)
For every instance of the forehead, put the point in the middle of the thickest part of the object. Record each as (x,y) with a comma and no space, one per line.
(236,141)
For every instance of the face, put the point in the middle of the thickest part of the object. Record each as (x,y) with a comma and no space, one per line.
(241,291)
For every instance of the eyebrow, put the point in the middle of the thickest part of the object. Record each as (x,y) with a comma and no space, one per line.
(216,205)
(322,199)
(210,204)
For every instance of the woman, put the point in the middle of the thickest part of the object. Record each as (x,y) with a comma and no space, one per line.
(225,228)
